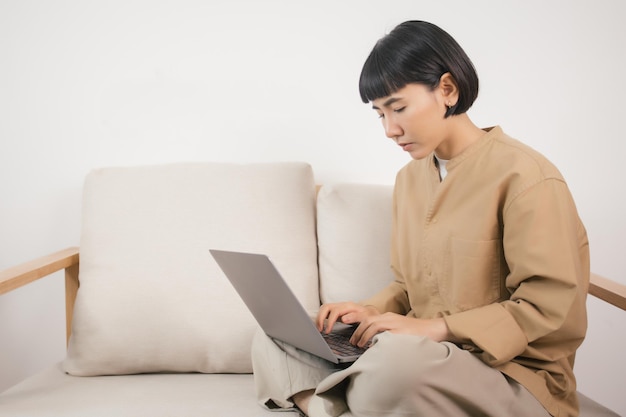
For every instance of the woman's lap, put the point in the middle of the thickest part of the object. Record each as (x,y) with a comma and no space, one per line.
(398,375)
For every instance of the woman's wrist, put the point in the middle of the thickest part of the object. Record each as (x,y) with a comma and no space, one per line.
(441,331)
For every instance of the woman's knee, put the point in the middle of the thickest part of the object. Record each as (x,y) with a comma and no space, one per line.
(394,364)
(405,358)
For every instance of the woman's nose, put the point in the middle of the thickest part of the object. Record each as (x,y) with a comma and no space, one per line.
(392,129)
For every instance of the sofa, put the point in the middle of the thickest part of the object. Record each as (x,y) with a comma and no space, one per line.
(154,328)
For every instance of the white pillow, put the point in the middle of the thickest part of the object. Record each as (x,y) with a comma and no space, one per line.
(353,233)
(151,298)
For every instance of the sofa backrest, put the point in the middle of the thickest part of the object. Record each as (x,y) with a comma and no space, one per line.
(151,298)
(353,233)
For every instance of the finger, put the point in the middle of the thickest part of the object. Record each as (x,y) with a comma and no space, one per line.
(370,328)
(333,316)
(356,316)
(349,318)
(358,333)
(338,312)
(368,334)
(322,315)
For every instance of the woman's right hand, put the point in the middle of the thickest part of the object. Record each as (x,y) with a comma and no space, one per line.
(346,312)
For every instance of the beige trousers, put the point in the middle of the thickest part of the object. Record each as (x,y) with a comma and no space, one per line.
(400,375)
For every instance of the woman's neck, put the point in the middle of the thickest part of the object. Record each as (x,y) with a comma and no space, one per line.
(461,134)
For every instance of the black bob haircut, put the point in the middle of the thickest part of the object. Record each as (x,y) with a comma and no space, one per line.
(418,52)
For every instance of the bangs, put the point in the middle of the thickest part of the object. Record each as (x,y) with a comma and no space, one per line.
(380,77)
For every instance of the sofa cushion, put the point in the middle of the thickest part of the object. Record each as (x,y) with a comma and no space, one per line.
(53,393)
(151,298)
(353,232)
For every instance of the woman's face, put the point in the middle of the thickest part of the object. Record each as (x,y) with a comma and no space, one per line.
(414,118)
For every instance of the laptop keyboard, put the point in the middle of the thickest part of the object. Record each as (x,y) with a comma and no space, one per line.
(339,343)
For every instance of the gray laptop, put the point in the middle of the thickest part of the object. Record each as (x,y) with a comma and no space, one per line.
(278,311)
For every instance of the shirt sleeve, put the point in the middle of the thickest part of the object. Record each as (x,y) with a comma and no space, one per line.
(544,246)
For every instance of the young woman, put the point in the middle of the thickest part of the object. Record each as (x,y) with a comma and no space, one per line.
(490,257)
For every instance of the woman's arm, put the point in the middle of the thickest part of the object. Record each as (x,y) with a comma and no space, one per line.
(547,252)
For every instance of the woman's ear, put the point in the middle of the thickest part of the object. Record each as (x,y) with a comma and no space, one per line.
(449,89)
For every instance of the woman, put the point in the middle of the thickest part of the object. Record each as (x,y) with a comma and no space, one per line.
(490,257)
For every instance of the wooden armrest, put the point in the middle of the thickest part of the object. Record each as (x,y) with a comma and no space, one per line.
(28,272)
(607,290)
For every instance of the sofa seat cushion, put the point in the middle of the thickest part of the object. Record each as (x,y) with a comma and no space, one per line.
(590,408)
(151,298)
(54,393)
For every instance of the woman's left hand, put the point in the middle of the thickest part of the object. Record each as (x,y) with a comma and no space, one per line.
(435,329)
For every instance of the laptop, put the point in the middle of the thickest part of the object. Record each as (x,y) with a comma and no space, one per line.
(278,311)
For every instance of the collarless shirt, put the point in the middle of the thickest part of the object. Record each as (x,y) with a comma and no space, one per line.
(498,251)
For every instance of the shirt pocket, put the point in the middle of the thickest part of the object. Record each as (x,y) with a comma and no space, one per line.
(472,278)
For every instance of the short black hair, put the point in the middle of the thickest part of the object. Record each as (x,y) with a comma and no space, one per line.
(418,52)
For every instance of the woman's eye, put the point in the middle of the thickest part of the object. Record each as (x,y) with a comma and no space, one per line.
(381,116)
(399,110)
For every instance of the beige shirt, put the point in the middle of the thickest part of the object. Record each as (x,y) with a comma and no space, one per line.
(498,250)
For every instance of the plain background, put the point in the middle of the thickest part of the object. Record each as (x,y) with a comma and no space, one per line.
(85,84)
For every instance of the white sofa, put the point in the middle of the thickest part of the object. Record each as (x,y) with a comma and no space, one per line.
(156,329)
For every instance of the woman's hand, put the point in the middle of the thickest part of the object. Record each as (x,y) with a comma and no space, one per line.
(435,329)
(371,322)
(347,312)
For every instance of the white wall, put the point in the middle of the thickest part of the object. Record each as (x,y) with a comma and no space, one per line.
(85,84)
